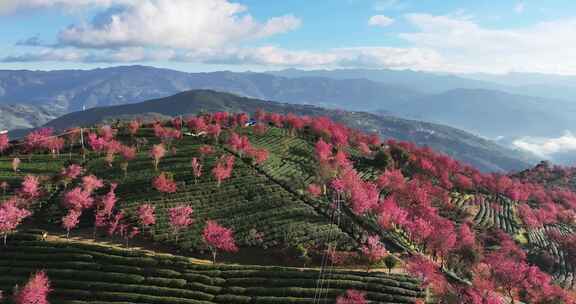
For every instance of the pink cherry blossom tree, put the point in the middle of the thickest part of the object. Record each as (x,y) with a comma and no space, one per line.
(104,208)
(218,238)
(391,215)
(128,154)
(147,215)
(71,220)
(96,143)
(364,149)
(115,223)
(214,130)
(223,168)
(128,233)
(323,150)
(197,124)
(180,218)
(177,122)
(206,150)
(30,188)
(427,272)
(107,132)
(373,250)
(157,153)
(314,190)
(77,199)
(91,183)
(107,202)
(352,297)
(37,140)
(260,155)
(133,127)
(54,145)
(238,143)
(260,129)
(196,169)
(164,183)
(4,186)
(11,216)
(4,142)
(35,291)
(70,173)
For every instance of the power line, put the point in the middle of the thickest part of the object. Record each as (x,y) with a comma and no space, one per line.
(325,269)
(22,141)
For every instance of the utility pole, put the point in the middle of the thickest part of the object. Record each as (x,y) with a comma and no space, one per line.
(82,143)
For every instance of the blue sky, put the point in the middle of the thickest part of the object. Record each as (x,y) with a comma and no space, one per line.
(205,35)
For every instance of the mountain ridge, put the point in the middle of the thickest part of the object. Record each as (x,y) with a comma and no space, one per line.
(395,92)
(467,147)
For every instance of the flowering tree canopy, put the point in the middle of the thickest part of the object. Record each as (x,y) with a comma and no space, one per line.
(352,297)
(147,215)
(218,238)
(164,183)
(180,218)
(35,291)
(4,142)
(11,217)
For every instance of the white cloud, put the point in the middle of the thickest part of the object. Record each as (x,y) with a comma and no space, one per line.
(366,57)
(123,55)
(389,57)
(224,31)
(48,54)
(519,7)
(544,47)
(547,147)
(8,6)
(186,24)
(380,20)
(201,31)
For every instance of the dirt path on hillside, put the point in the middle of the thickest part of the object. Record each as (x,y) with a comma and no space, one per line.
(246,256)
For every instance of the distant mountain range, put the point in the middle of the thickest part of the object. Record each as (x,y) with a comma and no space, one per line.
(484,154)
(538,85)
(73,90)
(493,113)
(487,105)
(452,100)
(22,116)
(429,83)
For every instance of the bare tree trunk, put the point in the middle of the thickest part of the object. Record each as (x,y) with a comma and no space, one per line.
(511,296)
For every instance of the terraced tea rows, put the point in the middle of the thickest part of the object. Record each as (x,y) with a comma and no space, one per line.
(498,212)
(246,202)
(87,273)
(461,200)
(290,157)
(564,272)
(41,165)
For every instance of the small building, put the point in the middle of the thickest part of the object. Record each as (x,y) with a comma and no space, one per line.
(251,122)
